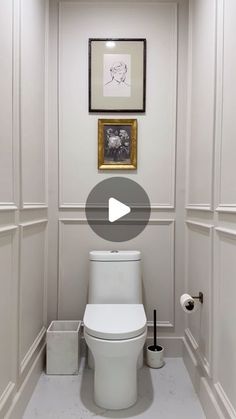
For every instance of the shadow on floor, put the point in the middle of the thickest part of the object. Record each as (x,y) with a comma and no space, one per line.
(145,395)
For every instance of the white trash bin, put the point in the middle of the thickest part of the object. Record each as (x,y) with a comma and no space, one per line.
(63,355)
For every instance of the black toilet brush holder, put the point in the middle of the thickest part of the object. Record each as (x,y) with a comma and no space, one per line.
(155,353)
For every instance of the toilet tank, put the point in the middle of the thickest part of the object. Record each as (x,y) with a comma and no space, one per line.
(115,277)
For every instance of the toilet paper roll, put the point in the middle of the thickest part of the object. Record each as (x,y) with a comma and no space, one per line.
(188,304)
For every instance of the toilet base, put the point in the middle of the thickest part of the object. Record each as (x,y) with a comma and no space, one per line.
(91,360)
(117,390)
(115,372)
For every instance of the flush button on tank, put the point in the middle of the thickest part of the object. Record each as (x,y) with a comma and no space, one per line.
(114,251)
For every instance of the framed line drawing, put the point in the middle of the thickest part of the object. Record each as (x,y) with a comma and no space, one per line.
(117,144)
(117,75)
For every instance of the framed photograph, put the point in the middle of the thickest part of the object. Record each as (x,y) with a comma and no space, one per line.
(117,75)
(117,144)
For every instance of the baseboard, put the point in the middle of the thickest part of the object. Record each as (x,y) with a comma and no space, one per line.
(200,382)
(24,393)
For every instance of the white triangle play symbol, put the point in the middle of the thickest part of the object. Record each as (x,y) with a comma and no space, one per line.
(117,209)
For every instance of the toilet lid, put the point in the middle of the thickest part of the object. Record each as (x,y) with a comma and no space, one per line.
(114,321)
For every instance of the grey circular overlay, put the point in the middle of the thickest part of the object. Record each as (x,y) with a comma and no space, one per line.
(117,209)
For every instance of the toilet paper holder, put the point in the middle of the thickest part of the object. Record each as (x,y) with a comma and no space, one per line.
(199,297)
(188,302)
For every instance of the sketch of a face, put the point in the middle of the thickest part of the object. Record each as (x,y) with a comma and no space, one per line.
(116,75)
(118,71)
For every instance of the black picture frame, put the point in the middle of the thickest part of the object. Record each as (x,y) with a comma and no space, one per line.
(117,75)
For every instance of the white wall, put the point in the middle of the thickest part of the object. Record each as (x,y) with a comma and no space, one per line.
(210,339)
(23,200)
(73,143)
(78,129)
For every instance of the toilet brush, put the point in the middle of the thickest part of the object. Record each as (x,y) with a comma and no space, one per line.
(155,348)
(155,352)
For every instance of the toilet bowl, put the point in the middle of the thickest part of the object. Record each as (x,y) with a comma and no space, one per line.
(115,325)
(115,334)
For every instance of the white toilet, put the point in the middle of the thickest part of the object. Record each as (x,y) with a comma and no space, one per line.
(115,326)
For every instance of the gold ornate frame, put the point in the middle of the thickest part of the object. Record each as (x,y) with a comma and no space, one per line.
(118,165)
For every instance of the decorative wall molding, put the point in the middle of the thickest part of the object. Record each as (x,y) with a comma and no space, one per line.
(30,206)
(6,396)
(219,105)
(199,225)
(33,223)
(224,207)
(187,348)
(200,207)
(202,388)
(191,339)
(24,204)
(82,206)
(226,231)
(223,236)
(7,229)
(13,203)
(188,204)
(7,206)
(22,374)
(202,227)
(206,395)
(225,401)
(25,363)
(34,347)
(16,101)
(162,324)
(25,391)
(202,361)
(80,220)
(213,383)
(46,107)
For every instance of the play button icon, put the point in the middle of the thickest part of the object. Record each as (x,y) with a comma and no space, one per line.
(117,210)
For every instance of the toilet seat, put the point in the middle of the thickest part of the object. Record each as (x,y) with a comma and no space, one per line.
(114,321)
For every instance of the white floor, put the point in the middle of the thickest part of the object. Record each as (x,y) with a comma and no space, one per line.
(166,393)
